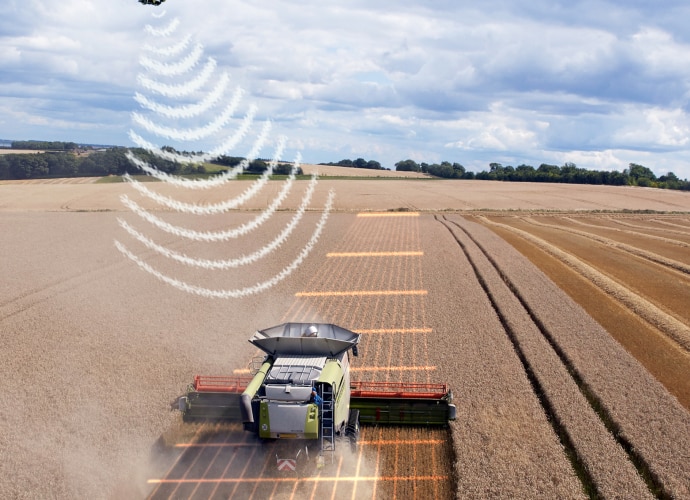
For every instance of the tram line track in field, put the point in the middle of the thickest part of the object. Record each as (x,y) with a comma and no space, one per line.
(373,276)
(381,252)
(588,462)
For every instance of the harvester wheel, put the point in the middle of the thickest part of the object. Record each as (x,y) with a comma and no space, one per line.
(352,430)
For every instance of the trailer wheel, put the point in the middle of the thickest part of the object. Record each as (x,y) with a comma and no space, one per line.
(352,430)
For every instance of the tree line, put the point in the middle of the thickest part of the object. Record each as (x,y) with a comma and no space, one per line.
(358,163)
(61,164)
(444,169)
(257,166)
(66,160)
(634,175)
(112,161)
(45,145)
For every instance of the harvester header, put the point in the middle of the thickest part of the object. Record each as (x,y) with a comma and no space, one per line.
(302,390)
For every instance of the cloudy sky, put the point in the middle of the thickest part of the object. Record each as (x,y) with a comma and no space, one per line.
(597,83)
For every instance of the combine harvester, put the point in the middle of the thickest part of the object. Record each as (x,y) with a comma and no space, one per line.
(302,390)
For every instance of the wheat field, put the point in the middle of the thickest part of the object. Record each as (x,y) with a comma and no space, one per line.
(554,312)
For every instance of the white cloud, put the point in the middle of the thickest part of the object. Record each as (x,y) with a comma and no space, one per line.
(499,129)
(661,55)
(606,160)
(396,79)
(9,54)
(655,128)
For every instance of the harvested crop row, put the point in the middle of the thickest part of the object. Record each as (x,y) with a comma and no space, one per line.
(667,223)
(671,326)
(651,423)
(503,442)
(651,256)
(649,227)
(604,466)
(636,234)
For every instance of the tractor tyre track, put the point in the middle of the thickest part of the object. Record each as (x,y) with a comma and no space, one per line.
(643,417)
(659,354)
(504,444)
(600,462)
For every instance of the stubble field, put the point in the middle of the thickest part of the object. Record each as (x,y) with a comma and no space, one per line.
(557,398)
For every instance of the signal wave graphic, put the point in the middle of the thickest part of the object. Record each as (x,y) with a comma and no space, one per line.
(185,100)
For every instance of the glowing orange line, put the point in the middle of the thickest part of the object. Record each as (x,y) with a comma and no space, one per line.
(361,293)
(375,254)
(241,370)
(396,330)
(378,442)
(214,445)
(388,214)
(392,368)
(196,434)
(318,479)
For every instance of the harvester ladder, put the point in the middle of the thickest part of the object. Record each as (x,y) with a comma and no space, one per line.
(327,423)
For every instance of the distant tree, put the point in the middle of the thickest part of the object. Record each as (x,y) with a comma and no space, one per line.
(670,177)
(458,171)
(359,163)
(257,166)
(616,178)
(569,172)
(640,175)
(407,166)
(548,173)
(525,172)
(28,166)
(4,168)
(47,145)
(88,167)
(549,169)
(669,181)
(112,161)
(62,165)
(228,161)
(286,169)
(444,170)
(167,166)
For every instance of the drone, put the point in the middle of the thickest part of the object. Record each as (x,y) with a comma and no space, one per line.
(151,2)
